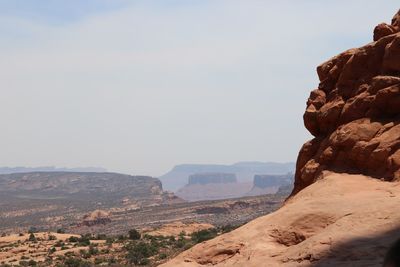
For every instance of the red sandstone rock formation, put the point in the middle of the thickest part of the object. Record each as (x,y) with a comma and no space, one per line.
(355,112)
(96,217)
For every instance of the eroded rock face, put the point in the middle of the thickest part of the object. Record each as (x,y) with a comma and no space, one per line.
(354,113)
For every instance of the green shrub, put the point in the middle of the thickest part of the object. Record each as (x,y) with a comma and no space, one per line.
(204,235)
(32,237)
(138,253)
(73,239)
(73,262)
(134,234)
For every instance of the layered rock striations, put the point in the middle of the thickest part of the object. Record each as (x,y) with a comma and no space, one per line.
(354,114)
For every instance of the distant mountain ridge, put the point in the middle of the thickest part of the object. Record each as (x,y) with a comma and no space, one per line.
(21,169)
(244,171)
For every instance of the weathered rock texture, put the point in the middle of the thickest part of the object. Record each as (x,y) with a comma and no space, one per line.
(355,112)
(341,220)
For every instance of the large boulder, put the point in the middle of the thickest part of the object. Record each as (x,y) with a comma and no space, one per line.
(355,112)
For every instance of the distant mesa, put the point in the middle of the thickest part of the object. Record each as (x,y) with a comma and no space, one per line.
(270,184)
(267,180)
(212,186)
(244,171)
(212,178)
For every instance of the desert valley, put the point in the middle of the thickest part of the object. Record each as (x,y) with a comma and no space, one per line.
(336,206)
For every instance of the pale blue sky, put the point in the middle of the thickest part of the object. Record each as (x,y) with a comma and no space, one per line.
(139,86)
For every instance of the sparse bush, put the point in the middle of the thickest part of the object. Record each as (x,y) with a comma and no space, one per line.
(73,262)
(59,243)
(84,240)
(32,237)
(32,263)
(101,237)
(73,239)
(138,253)
(134,234)
(162,256)
(93,250)
(109,241)
(204,235)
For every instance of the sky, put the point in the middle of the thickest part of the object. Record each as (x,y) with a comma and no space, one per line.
(140,86)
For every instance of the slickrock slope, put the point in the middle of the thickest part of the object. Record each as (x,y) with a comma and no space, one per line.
(355,112)
(333,218)
(341,219)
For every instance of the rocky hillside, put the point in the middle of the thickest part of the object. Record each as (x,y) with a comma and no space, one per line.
(54,198)
(354,112)
(333,218)
(64,184)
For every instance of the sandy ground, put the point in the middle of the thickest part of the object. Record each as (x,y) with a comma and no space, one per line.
(341,220)
(13,247)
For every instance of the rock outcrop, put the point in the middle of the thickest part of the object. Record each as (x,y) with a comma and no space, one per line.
(341,220)
(96,217)
(354,113)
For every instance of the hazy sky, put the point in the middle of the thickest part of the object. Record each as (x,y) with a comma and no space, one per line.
(139,86)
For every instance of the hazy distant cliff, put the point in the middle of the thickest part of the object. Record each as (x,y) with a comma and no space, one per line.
(212,178)
(244,171)
(267,180)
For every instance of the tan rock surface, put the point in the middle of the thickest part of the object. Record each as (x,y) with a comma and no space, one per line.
(340,220)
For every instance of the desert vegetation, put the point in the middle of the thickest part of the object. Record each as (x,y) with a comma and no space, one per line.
(135,248)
